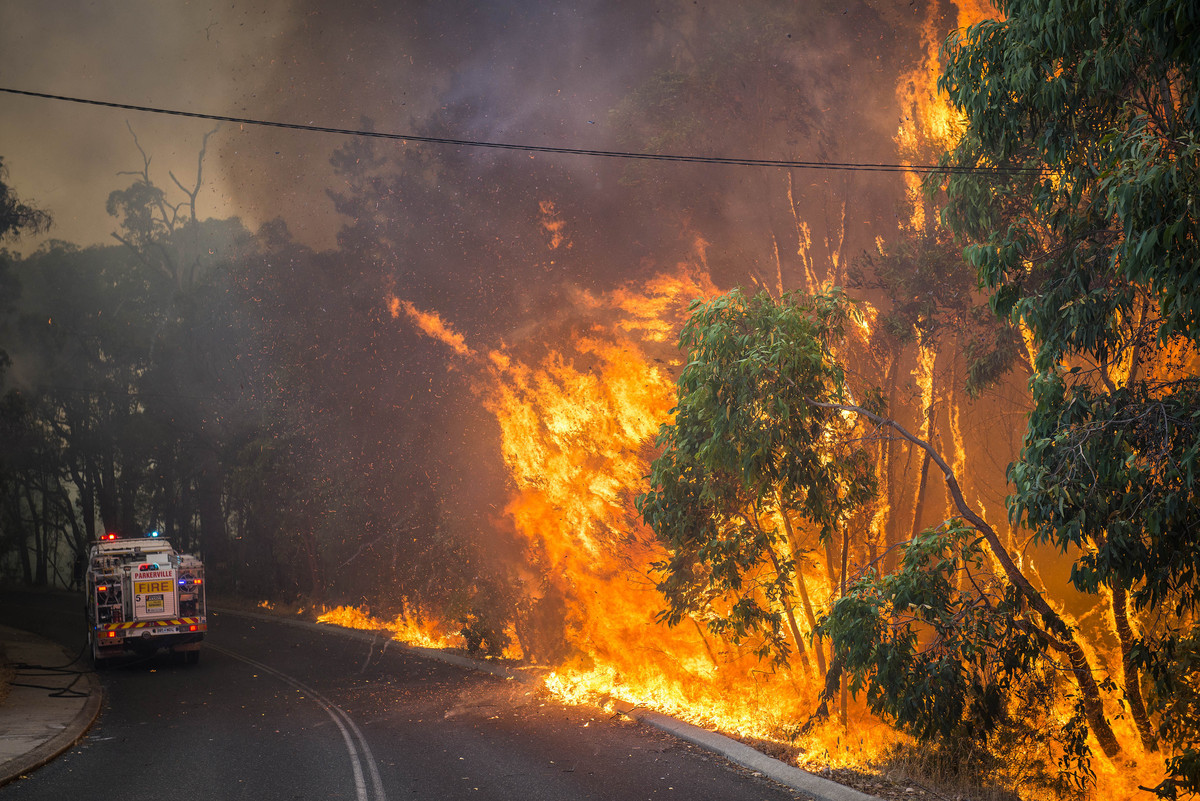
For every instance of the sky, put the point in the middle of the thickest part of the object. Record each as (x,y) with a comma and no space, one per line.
(320,63)
(66,158)
(524,71)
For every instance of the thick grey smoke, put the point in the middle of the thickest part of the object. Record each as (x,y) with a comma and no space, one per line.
(468,233)
(545,72)
(194,56)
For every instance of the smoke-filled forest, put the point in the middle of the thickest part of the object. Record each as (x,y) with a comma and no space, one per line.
(824,373)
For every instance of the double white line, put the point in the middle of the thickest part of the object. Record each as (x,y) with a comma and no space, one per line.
(356,743)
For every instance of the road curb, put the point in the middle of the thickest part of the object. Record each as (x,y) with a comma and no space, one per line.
(818,787)
(74,731)
(821,789)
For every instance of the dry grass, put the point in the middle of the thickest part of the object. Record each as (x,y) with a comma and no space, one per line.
(961,777)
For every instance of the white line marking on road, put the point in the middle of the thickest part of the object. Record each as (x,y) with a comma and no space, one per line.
(356,743)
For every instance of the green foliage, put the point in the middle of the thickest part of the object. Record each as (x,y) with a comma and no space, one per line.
(937,659)
(1097,103)
(747,439)
(1088,234)
(943,650)
(1114,475)
(1173,667)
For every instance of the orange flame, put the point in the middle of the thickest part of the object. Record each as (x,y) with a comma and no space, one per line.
(577,423)
(431,325)
(927,122)
(554,225)
(402,629)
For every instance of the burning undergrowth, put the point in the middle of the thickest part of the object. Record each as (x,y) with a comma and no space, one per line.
(579,397)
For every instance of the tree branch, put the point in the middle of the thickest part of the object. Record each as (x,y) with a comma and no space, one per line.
(1058,627)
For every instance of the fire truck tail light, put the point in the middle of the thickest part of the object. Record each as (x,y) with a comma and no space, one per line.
(110,634)
(102,588)
(193,627)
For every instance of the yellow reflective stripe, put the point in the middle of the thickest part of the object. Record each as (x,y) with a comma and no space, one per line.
(141,624)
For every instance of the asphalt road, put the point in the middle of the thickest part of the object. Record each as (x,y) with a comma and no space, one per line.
(279,712)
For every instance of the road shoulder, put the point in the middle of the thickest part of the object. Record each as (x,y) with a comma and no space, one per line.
(51,703)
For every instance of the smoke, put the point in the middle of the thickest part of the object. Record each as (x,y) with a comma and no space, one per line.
(495,243)
(540,73)
(499,246)
(527,72)
(67,157)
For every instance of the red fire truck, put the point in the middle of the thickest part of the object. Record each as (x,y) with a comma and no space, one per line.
(143,596)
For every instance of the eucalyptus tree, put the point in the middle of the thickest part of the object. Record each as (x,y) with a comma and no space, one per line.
(127,356)
(748,453)
(188,390)
(16,217)
(768,430)
(928,305)
(1084,224)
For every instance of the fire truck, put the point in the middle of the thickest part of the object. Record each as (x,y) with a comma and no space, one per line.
(143,596)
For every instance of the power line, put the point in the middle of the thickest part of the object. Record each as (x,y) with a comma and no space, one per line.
(922,169)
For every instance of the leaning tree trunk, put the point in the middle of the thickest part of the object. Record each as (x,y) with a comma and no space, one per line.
(1059,637)
(1080,666)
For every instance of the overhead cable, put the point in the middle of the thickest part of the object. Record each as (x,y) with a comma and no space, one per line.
(922,169)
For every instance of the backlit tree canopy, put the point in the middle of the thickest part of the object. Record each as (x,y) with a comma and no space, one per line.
(746,453)
(15,215)
(1087,235)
